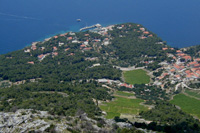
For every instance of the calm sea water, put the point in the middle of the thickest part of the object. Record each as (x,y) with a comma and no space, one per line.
(25,21)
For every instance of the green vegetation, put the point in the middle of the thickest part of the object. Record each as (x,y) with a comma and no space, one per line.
(193,51)
(194,93)
(122,105)
(150,94)
(64,82)
(64,99)
(194,85)
(187,104)
(130,49)
(136,77)
(121,93)
(168,118)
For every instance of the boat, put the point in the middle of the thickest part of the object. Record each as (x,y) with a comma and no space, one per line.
(78,20)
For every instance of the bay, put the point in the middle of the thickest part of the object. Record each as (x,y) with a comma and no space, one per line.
(26,21)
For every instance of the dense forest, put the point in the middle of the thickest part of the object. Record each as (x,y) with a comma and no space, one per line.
(193,51)
(169,118)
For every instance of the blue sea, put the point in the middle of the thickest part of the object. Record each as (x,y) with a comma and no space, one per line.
(26,21)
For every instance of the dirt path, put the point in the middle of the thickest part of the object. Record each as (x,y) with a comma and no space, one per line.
(51,92)
(131,97)
(190,96)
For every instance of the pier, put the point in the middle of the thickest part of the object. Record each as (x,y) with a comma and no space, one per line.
(89,27)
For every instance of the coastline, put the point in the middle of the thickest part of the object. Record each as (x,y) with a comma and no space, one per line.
(73,28)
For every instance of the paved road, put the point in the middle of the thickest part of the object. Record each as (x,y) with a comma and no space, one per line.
(128,68)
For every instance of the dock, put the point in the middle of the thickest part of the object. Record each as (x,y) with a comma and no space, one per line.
(89,27)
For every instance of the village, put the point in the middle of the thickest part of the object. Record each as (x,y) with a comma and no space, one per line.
(177,74)
(183,70)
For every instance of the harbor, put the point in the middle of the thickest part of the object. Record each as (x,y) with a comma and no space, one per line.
(90,27)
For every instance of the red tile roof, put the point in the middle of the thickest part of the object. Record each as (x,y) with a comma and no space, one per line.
(31,62)
(146,32)
(69,38)
(82,45)
(150,35)
(178,51)
(187,57)
(172,70)
(55,53)
(164,48)
(54,48)
(67,49)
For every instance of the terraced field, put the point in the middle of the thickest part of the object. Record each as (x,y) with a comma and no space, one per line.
(123,104)
(188,104)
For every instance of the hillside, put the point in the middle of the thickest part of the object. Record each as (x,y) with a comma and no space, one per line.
(70,74)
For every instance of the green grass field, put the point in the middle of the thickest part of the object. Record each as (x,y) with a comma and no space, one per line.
(187,104)
(136,77)
(122,105)
(193,93)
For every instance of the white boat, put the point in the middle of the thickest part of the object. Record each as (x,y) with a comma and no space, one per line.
(78,20)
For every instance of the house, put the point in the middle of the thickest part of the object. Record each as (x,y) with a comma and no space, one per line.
(164,48)
(86,43)
(177,67)
(150,35)
(172,70)
(94,65)
(67,49)
(42,48)
(197,59)
(62,34)
(33,47)
(126,85)
(86,49)
(75,41)
(142,29)
(60,44)
(142,37)
(106,43)
(31,62)
(71,54)
(55,37)
(72,33)
(55,48)
(55,53)
(187,71)
(69,38)
(82,46)
(102,80)
(146,32)
(41,57)
(27,50)
(187,57)
(178,76)
(191,64)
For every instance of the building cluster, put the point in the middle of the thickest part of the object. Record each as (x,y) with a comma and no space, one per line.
(88,44)
(183,69)
(115,82)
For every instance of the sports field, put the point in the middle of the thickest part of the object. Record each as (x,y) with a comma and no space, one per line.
(136,77)
(187,104)
(122,105)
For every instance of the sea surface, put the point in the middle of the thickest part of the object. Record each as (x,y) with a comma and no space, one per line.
(26,21)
